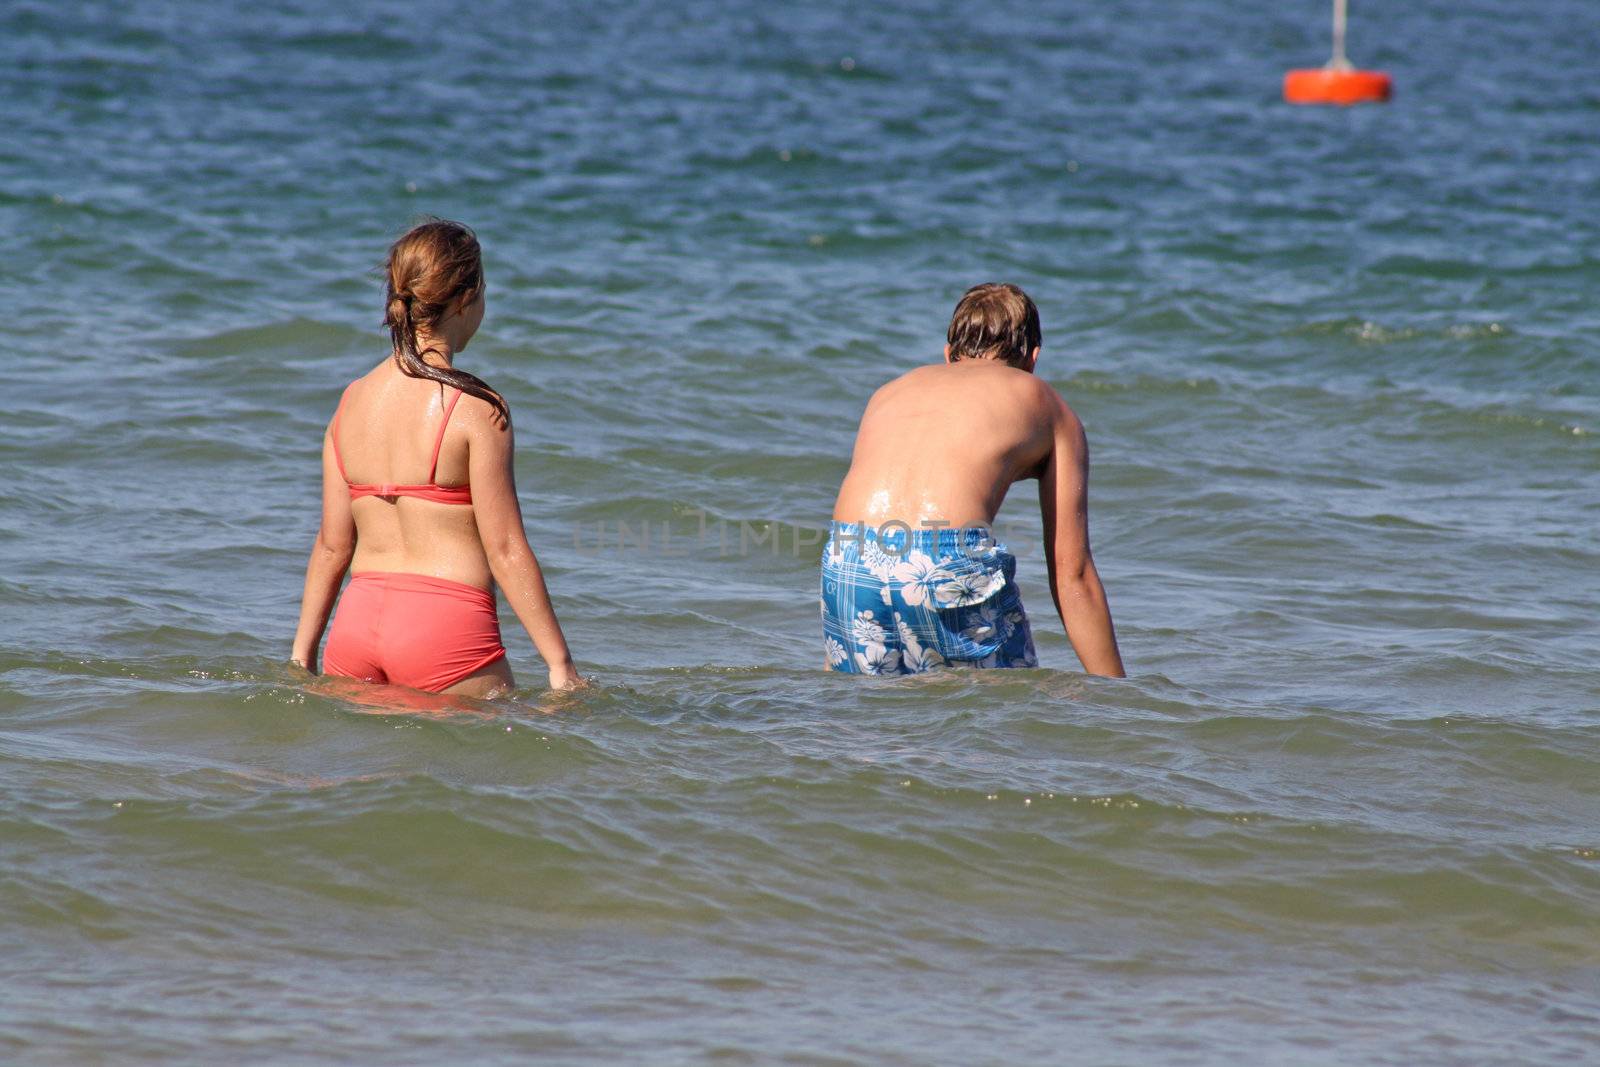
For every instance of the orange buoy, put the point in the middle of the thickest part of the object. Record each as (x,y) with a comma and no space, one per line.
(1339,82)
(1326,86)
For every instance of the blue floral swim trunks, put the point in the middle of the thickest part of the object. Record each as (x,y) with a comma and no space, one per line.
(903,601)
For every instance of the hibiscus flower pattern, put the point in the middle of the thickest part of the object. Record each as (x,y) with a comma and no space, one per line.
(919,577)
(915,658)
(880,565)
(835,651)
(970,587)
(987,624)
(876,659)
(866,630)
(993,623)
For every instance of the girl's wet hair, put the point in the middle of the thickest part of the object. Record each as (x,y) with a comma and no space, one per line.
(434,269)
(994,321)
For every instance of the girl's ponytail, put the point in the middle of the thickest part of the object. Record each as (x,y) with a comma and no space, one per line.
(434,269)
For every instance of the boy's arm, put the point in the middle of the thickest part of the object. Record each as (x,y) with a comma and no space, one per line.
(1074,583)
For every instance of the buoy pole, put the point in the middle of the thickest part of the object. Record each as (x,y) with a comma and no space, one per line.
(1338,81)
(1339,61)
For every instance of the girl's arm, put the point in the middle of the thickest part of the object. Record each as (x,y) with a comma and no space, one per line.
(330,558)
(505,543)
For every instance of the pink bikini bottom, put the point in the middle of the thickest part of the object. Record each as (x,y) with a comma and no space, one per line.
(410,629)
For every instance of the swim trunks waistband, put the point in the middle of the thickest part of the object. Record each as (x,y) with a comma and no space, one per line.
(896,536)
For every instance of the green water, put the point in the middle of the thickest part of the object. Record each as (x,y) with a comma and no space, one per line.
(1338,372)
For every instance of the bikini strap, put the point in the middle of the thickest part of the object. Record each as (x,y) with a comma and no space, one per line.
(433,468)
(333,434)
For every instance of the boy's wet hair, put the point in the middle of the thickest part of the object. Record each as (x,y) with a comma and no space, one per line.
(994,321)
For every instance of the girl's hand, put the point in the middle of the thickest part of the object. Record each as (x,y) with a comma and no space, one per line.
(566,676)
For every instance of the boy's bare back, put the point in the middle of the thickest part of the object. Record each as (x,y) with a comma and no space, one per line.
(943,443)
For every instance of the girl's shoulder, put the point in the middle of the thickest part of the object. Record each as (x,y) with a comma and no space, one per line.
(359,384)
(476,411)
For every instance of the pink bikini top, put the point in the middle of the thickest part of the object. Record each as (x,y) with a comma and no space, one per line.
(439,494)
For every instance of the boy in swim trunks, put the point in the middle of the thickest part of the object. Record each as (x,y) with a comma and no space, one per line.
(912,577)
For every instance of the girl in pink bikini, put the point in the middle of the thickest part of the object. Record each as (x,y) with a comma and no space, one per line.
(425,555)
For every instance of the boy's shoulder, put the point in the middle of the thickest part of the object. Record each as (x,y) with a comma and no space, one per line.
(993,375)
(1021,388)
(1017,387)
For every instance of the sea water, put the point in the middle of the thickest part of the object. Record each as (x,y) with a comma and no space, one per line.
(1338,370)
